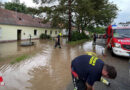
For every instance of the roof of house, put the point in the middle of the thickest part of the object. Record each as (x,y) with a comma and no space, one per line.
(9,17)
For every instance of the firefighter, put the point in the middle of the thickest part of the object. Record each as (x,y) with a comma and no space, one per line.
(87,69)
(57,43)
(94,38)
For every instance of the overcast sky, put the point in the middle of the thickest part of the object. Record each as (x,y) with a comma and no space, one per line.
(123,5)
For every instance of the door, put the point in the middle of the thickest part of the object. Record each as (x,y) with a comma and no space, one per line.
(18,34)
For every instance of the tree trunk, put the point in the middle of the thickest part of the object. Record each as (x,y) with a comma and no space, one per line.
(69,3)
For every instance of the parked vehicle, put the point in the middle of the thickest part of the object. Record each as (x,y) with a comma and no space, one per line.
(118,39)
(101,36)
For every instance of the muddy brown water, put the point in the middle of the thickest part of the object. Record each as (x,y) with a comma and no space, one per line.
(48,68)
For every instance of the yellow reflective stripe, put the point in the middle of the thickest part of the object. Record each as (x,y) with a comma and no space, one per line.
(91,60)
(94,61)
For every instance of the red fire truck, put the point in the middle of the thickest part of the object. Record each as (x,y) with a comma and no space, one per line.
(118,40)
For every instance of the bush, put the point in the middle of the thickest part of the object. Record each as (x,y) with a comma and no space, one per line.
(45,36)
(78,36)
(99,30)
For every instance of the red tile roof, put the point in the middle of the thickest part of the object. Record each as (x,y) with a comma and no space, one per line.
(9,17)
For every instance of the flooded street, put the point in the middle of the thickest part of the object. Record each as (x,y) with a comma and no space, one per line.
(49,68)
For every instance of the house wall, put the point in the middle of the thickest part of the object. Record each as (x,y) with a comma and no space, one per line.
(9,32)
(65,32)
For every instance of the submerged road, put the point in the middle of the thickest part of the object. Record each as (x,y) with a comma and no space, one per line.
(49,68)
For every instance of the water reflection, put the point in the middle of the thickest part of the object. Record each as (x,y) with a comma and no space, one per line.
(94,50)
(16,76)
(98,49)
(14,48)
(49,68)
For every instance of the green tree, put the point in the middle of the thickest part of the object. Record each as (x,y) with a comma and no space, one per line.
(60,15)
(16,1)
(21,8)
(82,13)
(32,11)
(94,13)
(16,7)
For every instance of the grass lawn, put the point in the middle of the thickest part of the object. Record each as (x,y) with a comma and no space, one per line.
(20,58)
(77,42)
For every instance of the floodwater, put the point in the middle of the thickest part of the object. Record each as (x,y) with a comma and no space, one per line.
(48,68)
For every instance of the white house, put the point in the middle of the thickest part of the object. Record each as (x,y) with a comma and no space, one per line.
(18,26)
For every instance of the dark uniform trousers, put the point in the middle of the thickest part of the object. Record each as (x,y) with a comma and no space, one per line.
(57,44)
(78,83)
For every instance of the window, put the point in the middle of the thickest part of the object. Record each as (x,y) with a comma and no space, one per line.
(0,32)
(55,32)
(45,31)
(122,33)
(20,18)
(35,32)
(50,32)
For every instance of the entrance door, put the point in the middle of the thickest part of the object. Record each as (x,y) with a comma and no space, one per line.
(18,34)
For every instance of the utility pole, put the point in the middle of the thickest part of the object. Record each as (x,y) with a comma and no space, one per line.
(70,18)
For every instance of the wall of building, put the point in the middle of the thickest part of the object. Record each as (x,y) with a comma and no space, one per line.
(65,32)
(9,32)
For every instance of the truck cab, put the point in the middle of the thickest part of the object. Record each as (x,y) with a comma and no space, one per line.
(118,40)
